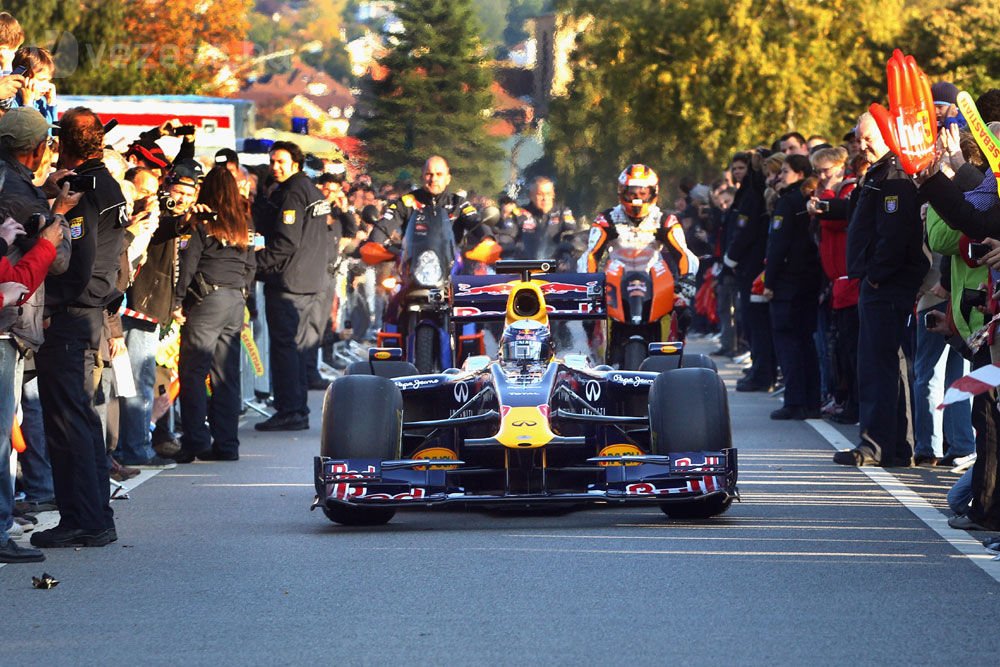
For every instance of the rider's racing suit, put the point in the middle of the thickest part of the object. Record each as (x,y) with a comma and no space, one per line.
(614,226)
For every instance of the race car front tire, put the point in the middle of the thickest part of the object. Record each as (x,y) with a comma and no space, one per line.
(362,419)
(346,515)
(689,412)
(697,508)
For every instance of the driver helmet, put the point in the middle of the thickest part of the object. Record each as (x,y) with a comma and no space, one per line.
(526,341)
(634,177)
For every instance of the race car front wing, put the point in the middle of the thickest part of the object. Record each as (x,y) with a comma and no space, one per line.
(632,480)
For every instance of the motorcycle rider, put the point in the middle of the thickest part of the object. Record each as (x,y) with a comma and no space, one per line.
(423,203)
(638,222)
(539,230)
(434,195)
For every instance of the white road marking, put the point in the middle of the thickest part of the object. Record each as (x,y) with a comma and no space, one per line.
(935,520)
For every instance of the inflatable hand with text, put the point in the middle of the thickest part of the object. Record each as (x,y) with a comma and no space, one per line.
(909,125)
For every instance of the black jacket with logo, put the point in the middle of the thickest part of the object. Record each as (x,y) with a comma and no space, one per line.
(793,266)
(97,230)
(885,235)
(296,240)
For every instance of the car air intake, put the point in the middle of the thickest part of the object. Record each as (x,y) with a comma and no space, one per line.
(526,304)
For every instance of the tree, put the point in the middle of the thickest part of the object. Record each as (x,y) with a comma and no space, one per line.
(680,86)
(958,43)
(434,97)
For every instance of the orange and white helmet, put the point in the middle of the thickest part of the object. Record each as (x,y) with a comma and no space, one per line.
(637,176)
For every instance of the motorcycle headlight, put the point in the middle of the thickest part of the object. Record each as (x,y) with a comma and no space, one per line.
(428,269)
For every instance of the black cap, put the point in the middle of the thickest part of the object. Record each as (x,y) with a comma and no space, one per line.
(188,172)
(226,155)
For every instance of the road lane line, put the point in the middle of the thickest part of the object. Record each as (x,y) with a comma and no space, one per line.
(923,510)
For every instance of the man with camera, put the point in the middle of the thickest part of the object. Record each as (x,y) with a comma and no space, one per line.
(75,302)
(39,247)
(148,306)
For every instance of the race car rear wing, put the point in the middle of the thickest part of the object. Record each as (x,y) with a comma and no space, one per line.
(568,296)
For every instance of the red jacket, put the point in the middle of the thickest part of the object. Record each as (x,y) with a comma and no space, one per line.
(30,270)
(833,251)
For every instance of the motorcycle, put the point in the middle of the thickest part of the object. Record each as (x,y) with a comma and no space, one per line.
(421,293)
(639,289)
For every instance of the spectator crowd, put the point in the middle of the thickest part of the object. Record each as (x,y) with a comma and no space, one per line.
(131,278)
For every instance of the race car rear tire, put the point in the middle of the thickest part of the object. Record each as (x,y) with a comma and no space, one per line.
(359,516)
(362,418)
(697,508)
(385,369)
(660,364)
(633,355)
(689,412)
(699,361)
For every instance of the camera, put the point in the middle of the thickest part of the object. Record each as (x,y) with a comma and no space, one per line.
(167,203)
(20,71)
(207,216)
(35,222)
(823,206)
(978,250)
(80,183)
(180,130)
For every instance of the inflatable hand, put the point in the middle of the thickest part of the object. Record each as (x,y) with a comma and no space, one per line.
(984,137)
(375,253)
(909,125)
(488,251)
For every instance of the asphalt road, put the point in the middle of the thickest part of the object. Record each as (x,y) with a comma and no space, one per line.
(223,564)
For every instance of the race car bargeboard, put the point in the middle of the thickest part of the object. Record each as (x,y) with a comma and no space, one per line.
(526,433)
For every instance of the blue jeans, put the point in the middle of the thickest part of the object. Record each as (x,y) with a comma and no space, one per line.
(36,469)
(135,443)
(8,376)
(935,366)
(960,495)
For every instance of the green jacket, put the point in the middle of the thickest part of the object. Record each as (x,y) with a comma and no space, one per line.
(943,239)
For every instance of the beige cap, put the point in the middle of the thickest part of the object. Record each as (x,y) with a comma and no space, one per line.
(25,126)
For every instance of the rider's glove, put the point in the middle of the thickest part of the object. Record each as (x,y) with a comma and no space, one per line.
(685,289)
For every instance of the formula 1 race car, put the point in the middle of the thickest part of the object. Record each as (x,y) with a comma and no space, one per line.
(527,429)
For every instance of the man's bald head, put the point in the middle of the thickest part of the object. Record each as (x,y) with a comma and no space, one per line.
(437,176)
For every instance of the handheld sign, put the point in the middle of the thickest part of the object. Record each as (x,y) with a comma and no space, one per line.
(984,137)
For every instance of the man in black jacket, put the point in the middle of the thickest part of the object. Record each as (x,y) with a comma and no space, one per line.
(885,251)
(75,302)
(292,268)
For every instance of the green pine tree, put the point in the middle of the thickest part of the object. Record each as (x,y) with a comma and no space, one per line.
(435,98)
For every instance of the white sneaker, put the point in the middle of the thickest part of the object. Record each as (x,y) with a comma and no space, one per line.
(15,531)
(963,463)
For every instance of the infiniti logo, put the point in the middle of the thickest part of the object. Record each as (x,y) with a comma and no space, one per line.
(523,424)
(592,390)
(461,392)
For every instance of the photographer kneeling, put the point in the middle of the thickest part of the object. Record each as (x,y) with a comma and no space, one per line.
(216,271)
